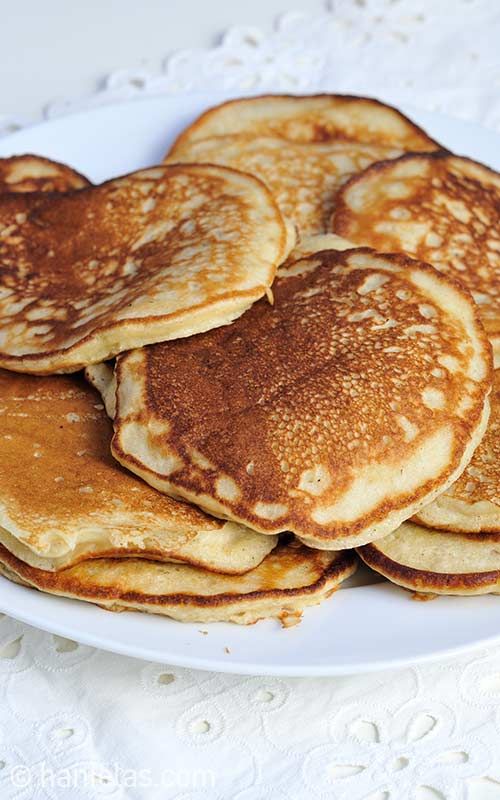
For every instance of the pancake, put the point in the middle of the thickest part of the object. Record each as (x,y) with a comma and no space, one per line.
(440,208)
(308,245)
(304,148)
(303,177)
(472,504)
(102,378)
(299,416)
(63,498)
(287,581)
(309,118)
(434,561)
(29,173)
(155,255)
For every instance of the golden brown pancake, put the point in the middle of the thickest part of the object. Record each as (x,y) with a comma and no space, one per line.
(440,208)
(307,245)
(472,503)
(303,177)
(63,497)
(303,148)
(309,118)
(291,578)
(30,173)
(434,561)
(336,414)
(155,255)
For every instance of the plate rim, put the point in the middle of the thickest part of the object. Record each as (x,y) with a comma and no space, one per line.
(182,658)
(227,666)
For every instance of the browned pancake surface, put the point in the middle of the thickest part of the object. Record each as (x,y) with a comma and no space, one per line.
(310,118)
(481,478)
(63,495)
(303,147)
(440,208)
(160,253)
(304,177)
(30,173)
(330,414)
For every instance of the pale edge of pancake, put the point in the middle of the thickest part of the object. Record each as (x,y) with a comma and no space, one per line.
(214,551)
(308,245)
(396,518)
(426,581)
(479,512)
(245,609)
(102,378)
(483,516)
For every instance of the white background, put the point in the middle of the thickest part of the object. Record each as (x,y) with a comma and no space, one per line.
(50,49)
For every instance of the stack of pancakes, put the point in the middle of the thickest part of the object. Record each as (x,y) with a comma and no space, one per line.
(226,376)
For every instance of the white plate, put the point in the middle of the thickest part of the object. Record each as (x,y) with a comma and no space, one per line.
(362,627)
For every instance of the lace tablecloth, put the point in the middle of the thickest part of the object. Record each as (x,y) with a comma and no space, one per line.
(80,723)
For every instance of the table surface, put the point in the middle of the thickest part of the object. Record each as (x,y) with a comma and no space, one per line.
(152,731)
